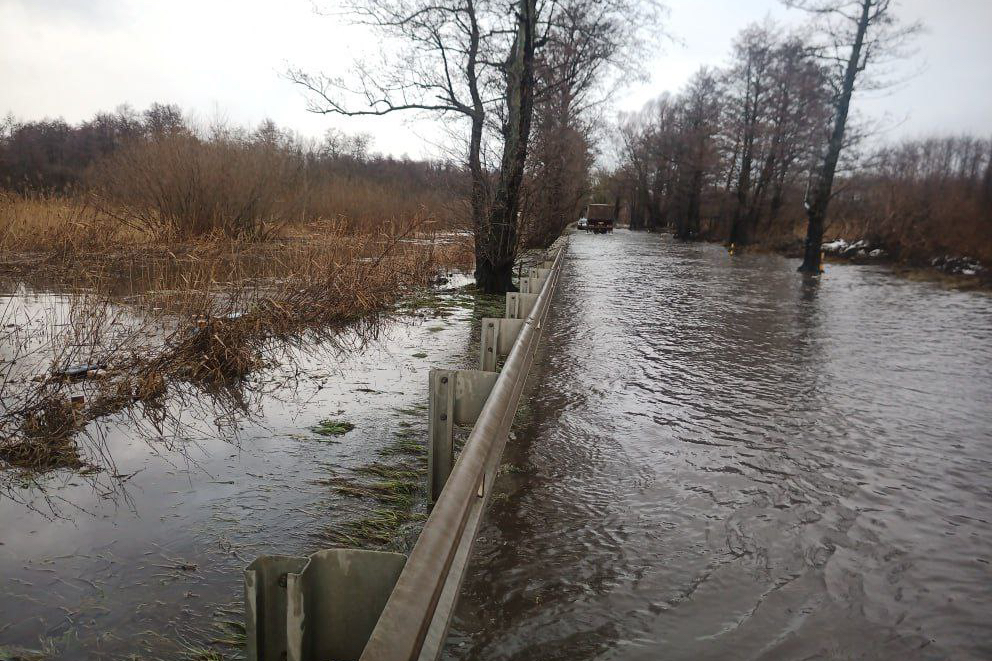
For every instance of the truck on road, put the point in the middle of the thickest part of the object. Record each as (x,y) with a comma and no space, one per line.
(599,218)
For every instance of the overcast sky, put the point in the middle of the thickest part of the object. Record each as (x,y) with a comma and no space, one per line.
(72,58)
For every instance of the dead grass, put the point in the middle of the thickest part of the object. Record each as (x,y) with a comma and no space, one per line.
(58,225)
(209,317)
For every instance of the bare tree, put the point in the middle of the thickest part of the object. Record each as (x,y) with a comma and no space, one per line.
(493,274)
(700,122)
(445,68)
(472,58)
(751,73)
(573,43)
(857,34)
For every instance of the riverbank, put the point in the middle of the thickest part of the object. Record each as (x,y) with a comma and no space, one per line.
(962,272)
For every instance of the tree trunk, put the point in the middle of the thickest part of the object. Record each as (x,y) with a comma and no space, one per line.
(987,183)
(494,266)
(694,203)
(816,209)
(738,232)
(758,199)
(478,194)
(738,229)
(478,118)
(778,192)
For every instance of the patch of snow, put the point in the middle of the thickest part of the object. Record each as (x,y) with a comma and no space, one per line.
(957,265)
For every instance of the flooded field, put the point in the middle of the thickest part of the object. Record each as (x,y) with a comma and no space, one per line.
(142,556)
(725,462)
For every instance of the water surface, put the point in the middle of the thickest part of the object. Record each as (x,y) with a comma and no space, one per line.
(143,558)
(728,462)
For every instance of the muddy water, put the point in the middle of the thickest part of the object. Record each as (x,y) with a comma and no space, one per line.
(144,558)
(727,463)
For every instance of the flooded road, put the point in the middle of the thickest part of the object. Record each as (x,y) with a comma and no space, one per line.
(725,462)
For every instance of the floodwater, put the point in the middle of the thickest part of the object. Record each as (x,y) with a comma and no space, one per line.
(144,558)
(727,462)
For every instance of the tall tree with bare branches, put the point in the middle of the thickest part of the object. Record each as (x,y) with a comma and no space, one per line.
(444,67)
(476,60)
(856,35)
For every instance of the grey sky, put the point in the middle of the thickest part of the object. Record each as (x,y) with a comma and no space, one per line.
(71,58)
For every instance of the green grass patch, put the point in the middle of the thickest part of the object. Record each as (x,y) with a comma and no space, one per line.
(415,410)
(331,427)
(410,445)
(428,303)
(394,493)
(379,528)
(387,472)
(444,304)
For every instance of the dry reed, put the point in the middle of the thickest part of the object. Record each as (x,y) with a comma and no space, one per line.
(210,324)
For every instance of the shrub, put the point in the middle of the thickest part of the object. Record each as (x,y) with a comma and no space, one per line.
(181,185)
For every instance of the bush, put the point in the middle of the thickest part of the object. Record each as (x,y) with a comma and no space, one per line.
(156,176)
(181,185)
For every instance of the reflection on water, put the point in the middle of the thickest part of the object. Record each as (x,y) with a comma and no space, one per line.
(727,461)
(147,562)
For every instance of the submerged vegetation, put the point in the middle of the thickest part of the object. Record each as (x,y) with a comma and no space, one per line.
(332,428)
(211,334)
(394,487)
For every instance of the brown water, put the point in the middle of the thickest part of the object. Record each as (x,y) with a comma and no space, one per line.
(725,462)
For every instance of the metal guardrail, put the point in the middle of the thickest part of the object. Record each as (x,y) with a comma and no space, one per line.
(348,604)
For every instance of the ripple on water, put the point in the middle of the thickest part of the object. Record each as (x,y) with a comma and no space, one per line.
(725,461)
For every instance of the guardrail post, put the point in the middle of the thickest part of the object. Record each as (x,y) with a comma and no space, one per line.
(336,600)
(518,305)
(488,342)
(537,277)
(440,425)
(498,336)
(456,398)
(266,605)
(321,607)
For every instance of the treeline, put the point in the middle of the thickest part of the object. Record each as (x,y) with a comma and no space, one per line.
(733,156)
(158,171)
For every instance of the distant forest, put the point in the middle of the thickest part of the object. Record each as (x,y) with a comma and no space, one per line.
(156,167)
(733,155)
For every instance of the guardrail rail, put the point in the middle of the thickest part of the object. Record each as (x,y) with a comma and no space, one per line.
(354,604)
